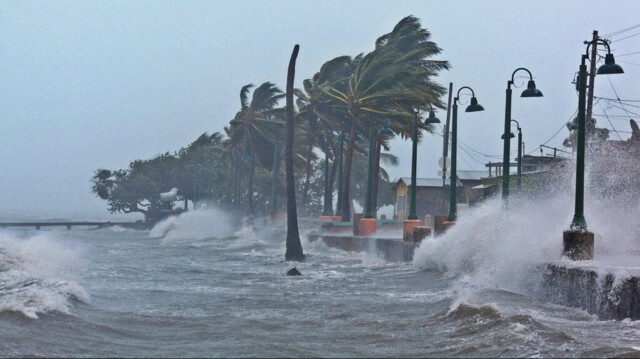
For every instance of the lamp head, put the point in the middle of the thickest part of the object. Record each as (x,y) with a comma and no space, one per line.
(573,125)
(474,107)
(432,118)
(610,67)
(385,130)
(511,135)
(531,90)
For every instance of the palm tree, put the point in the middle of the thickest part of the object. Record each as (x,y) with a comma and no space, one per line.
(386,84)
(294,247)
(254,130)
(315,108)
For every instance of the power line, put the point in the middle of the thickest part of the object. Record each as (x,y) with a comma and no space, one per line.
(631,53)
(622,31)
(612,116)
(624,38)
(630,63)
(616,93)
(615,99)
(614,129)
(469,165)
(613,102)
(560,129)
(625,110)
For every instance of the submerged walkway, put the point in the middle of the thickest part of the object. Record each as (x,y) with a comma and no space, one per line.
(68,224)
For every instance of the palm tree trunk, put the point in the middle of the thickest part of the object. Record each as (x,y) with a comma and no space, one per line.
(348,162)
(230,184)
(376,177)
(251,174)
(294,247)
(332,176)
(307,180)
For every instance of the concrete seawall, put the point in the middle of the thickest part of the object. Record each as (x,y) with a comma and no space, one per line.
(389,249)
(598,291)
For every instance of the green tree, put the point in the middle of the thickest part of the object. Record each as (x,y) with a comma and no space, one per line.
(254,130)
(138,188)
(386,84)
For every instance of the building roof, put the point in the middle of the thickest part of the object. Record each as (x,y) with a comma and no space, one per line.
(427,182)
(465,175)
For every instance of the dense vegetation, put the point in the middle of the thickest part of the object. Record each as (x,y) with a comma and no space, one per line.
(347,96)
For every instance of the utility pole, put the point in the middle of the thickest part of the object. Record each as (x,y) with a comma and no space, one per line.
(590,125)
(445,140)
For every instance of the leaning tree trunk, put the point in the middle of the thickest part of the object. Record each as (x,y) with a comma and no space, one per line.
(294,247)
(348,162)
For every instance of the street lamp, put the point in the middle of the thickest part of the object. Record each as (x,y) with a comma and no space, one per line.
(531,91)
(511,135)
(431,119)
(473,107)
(578,242)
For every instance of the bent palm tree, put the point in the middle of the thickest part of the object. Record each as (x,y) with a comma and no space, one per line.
(387,83)
(254,129)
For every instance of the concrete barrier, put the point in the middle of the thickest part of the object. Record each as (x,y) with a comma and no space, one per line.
(391,250)
(596,290)
(356,223)
(407,232)
(368,226)
(420,233)
(438,226)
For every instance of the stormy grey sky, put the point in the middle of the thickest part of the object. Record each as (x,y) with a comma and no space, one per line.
(96,84)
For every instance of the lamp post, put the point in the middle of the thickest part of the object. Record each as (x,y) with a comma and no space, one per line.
(368,224)
(414,157)
(531,91)
(578,242)
(412,219)
(519,183)
(511,135)
(473,107)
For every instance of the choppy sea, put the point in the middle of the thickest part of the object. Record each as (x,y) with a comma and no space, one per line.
(192,287)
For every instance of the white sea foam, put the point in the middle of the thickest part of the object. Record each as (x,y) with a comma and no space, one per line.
(36,275)
(193,226)
(499,246)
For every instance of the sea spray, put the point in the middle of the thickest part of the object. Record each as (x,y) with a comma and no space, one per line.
(497,246)
(506,246)
(36,274)
(193,226)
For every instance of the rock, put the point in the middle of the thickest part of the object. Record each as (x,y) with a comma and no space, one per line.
(293,271)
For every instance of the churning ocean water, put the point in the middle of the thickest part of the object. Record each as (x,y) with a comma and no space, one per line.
(193,287)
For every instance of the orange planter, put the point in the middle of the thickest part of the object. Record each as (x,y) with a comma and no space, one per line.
(368,226)
(407,232)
